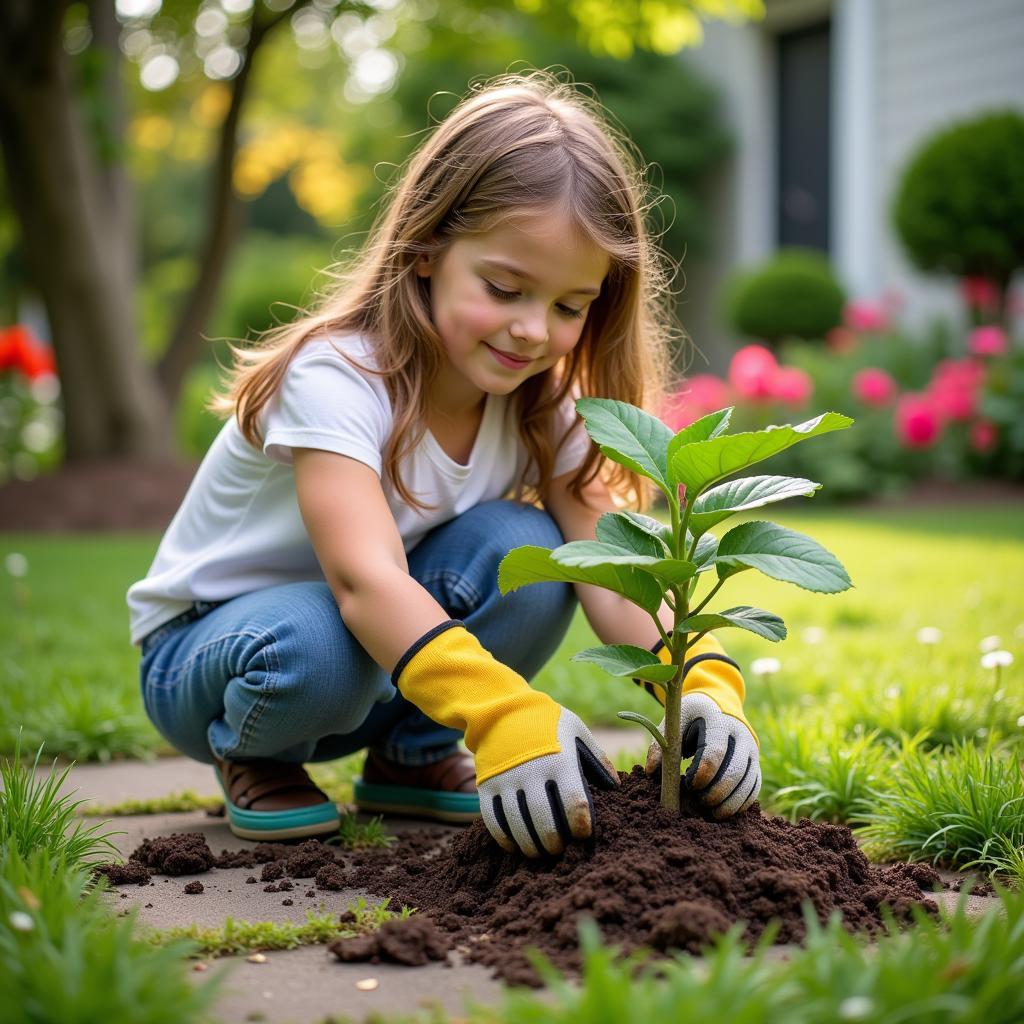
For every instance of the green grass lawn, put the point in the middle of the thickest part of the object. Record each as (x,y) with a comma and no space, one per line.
(70,676)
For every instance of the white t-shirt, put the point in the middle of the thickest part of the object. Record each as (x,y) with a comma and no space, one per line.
(239,528)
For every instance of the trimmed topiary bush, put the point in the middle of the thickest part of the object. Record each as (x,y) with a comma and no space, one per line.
(959,208)
(794,294)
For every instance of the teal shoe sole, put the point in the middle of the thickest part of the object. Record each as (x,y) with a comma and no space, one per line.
(315,820)
(415,802)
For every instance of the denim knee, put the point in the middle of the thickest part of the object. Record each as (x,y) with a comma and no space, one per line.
(311,680)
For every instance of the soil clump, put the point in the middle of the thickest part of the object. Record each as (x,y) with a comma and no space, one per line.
(413,941)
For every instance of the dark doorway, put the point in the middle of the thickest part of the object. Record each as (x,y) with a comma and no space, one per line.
(804,137)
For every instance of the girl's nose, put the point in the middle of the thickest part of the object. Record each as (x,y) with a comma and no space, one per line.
(532,330)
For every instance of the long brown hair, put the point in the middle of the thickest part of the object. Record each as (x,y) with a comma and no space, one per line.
(515,144)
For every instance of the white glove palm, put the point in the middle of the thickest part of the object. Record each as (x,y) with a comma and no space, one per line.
(541,804)
(726,771)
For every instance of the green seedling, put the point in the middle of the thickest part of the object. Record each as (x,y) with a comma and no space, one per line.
(654,564)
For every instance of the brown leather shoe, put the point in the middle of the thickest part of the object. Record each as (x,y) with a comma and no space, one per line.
(443,791)
(274,800)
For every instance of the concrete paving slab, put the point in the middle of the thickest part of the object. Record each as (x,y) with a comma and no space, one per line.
(117,781)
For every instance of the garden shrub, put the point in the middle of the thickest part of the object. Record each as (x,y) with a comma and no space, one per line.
(959,207)
(794,294)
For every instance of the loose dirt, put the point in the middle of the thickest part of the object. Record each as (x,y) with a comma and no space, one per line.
(649,878)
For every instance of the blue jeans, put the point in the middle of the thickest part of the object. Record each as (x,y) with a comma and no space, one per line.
(276,674)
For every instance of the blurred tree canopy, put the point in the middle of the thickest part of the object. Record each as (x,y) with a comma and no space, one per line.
(125,149)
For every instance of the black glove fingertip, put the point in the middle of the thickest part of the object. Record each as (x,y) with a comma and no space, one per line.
(524,810)
(502,820)
(558,811)
(592,768)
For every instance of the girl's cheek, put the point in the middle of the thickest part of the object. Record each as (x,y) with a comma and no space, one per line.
(481,318)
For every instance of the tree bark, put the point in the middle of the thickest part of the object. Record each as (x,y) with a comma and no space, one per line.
(69,223)
(223,222)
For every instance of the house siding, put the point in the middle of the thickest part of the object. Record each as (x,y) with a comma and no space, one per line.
(938,62)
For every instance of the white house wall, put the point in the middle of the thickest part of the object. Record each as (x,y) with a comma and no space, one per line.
(902,69)
(939,61)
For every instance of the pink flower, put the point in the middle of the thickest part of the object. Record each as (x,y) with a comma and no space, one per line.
(865,316)
(987,341)
(752,373)
(874,386)
(917,422)
(954,388)
(792,386)
(979,292)
(697,397)
(984,436)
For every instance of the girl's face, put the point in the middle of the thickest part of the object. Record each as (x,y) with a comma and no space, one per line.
(508,304)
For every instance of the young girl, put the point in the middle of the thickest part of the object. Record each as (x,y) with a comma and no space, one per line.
(329,583)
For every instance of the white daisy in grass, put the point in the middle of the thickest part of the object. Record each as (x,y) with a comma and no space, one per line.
(813,635)
(929,635)
(765,666)
(16,564)
(990,643)
(996,659)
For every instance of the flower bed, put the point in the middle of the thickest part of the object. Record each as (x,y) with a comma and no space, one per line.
(941,405)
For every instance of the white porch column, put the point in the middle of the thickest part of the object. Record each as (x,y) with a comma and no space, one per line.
(855,148)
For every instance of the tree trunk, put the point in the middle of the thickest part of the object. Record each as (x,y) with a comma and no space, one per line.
(223,222)
(69,226)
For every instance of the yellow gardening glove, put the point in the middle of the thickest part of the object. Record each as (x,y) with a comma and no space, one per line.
(533,756)
(725,772)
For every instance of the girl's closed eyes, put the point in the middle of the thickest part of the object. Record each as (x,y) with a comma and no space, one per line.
(504,296)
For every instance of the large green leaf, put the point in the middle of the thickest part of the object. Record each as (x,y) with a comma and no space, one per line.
(618,529)
(629,436)
(723,501)
(703,463)
(755,620)
(529,564)
(586,554)
(781,554)
(627,660)
(700,430)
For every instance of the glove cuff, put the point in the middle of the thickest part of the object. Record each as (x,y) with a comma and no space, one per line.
(708,670)
(454,680)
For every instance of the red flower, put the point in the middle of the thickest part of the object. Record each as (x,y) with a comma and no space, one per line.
(842,340)
(873,386)
(987,341)
(792,386)
(918,424)
(752,373)
(21,351)
(979,292)
(984,436)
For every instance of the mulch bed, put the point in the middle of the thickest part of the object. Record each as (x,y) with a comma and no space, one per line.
(649,878)
(103,495)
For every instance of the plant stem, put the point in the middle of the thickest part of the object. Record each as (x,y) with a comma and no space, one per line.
(672,755)
(711,594)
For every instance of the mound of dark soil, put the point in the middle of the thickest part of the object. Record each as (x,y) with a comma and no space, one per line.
(649,878)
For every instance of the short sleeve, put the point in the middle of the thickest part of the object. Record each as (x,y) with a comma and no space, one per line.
(577,445)
(325,402)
